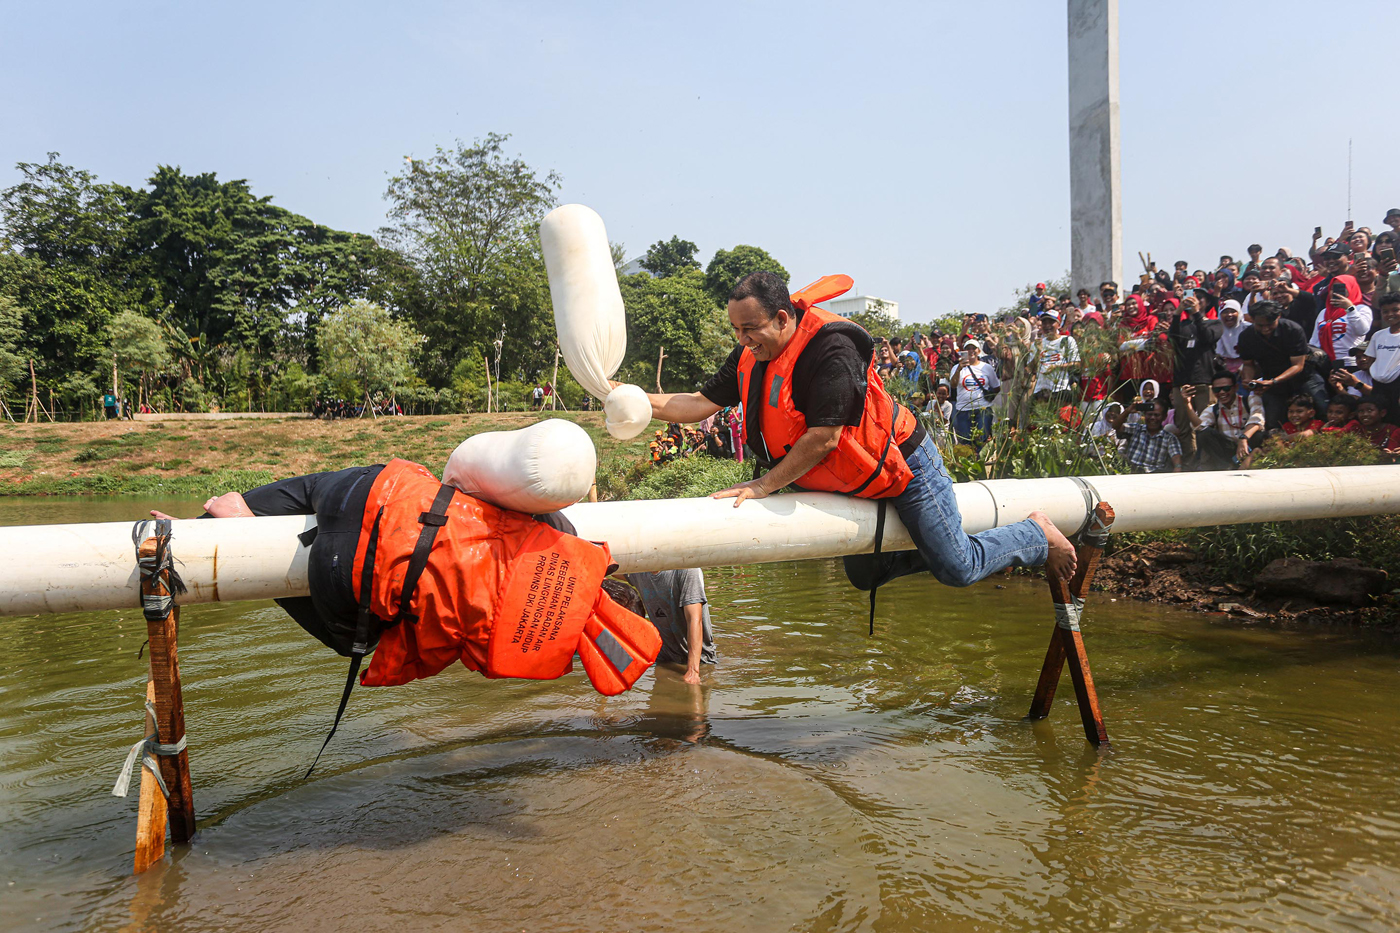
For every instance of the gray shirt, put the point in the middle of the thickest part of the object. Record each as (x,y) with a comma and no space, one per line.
(666,593)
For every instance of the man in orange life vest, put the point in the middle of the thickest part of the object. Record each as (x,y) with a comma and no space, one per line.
(817,415)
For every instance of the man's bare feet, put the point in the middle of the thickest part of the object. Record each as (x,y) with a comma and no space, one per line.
(155,514)
(1061,562)
(229,505)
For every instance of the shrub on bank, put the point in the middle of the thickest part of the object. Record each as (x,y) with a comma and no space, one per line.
(686,478)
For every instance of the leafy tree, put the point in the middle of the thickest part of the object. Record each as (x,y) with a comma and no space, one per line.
(235,268)
(467,219)
(12,360)
(138,345)
(221,268)
(676,313)
(728,266)
(364,351)
(669,258)
(64,260)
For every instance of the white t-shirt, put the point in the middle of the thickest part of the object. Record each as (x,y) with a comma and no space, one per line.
(1347,332)
(1228,344)
(943,410)
(974,382)
(1054,352)
(1384,348)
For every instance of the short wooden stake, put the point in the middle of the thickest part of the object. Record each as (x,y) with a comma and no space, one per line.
(151,817)
(1066,641)
(169,702)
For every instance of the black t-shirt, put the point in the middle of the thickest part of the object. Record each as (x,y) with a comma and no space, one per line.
(829,363)
(1273,354)
(1303,312)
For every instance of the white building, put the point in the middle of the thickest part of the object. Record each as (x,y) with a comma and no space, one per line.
(847,305)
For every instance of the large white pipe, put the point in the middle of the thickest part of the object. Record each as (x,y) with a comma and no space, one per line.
(64,568)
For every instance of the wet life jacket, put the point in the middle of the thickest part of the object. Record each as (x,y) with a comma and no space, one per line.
(505,594)
(867,461)
(442,576)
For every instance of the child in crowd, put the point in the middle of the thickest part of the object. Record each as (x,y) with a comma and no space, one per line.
(1302,420)
(1371,424)
(1339,415)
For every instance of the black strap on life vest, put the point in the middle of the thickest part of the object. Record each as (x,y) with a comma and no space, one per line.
(879,539)
(879,467)
(366,622)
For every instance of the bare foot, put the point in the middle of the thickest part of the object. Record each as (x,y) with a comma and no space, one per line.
(1062,560)
(162,515)
(229,505)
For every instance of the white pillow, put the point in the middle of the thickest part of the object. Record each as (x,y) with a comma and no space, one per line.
(537,469)
(588,313)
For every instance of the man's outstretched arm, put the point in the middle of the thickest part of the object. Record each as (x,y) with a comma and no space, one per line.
(229,505)
(680,407)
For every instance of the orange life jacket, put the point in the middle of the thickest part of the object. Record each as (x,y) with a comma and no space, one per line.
(448,577)
(867,461)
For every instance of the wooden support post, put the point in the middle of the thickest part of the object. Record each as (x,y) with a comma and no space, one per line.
(485,361)
(1066,641)
(169,702)
(151,816)
(31,409)
(554,382)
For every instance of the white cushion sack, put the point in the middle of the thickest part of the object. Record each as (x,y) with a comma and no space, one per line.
(537,469)
(588,313)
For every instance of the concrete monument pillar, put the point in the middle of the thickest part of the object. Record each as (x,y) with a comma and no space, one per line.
(1096,209)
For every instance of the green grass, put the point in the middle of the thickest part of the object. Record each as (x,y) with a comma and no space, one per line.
(204,484)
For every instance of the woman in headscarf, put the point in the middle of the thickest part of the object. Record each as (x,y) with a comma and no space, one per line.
(1344,320)
(1142,346)
(904,380)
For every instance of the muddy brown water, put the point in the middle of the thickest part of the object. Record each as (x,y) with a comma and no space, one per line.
(819,780)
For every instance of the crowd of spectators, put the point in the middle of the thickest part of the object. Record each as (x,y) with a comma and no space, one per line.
(1186,369)
(718,436)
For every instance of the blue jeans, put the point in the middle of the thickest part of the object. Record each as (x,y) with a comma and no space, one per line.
(929,509)
(965,423)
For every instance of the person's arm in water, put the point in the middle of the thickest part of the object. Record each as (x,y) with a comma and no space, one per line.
(811,448)
(694,634)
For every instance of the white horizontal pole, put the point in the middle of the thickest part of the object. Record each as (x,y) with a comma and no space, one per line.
(66,568)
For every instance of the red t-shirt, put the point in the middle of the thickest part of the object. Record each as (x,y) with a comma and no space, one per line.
(1350,427)
(1382,435)
(1291,428)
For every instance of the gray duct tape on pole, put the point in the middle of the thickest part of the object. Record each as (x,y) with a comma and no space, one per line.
(1091,499)
(145,749)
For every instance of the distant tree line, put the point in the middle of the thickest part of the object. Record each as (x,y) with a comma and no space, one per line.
(191,292)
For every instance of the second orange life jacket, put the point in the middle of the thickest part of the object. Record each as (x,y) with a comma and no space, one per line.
(448,577)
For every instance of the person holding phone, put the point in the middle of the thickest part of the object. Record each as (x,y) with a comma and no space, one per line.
(1344,320)
(1276,363)
(1335,260)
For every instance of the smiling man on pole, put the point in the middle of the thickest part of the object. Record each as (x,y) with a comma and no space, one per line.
(817,415)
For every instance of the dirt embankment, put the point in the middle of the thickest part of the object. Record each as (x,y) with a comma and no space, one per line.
(136,457)
(1175,575)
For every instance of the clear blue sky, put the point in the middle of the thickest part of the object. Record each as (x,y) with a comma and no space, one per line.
(921,148)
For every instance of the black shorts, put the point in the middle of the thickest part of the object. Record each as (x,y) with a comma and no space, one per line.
(338,499)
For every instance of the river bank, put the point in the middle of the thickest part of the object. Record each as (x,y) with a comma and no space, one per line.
(1168,572)
(199,458)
